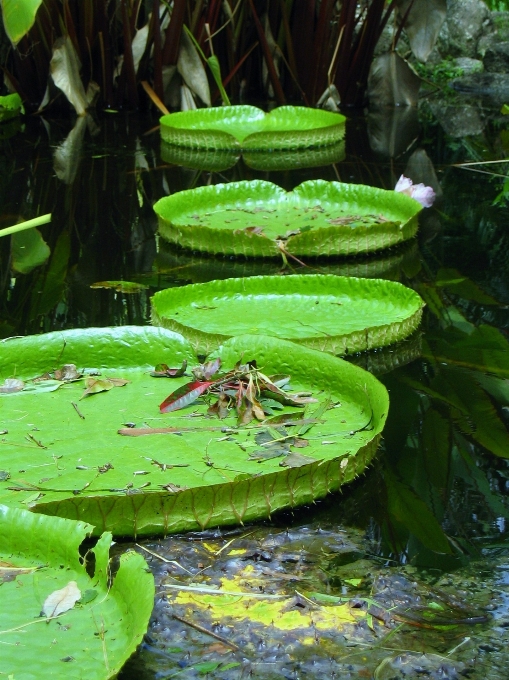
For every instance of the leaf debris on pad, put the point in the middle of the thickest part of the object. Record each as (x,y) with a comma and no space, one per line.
(240,389)
(61,600)
(95,385)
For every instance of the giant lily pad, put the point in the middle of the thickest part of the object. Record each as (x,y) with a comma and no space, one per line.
(334,314)
(240,128)
(57,621)
(95,458)
(259,219)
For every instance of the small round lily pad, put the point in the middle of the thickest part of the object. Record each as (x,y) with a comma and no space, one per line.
(334,314)
(240,128)
(259,219)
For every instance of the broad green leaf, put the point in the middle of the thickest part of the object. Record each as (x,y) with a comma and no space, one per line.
(213,64)
(335,314)
(461,285)
(41,607)
(11,102)
(436,443)
(49,286)
(19,17)
(257,218)
(484,348)
(29,250)
(228,127)
(115,459)
(411,511)
(10,106)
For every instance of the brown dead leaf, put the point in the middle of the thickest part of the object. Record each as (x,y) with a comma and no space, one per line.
(95,385)
(8,571)
(62,600)
(11,385)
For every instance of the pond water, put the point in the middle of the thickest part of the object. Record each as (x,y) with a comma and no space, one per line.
(419,544)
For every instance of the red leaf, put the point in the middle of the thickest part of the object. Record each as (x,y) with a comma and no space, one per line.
(184,395)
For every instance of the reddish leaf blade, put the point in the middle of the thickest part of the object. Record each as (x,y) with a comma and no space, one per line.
(184,396)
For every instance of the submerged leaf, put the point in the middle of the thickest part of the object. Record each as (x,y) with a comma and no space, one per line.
(120,286)
(62,600)
(184,395)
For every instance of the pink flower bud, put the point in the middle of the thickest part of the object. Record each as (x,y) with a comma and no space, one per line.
(425,195)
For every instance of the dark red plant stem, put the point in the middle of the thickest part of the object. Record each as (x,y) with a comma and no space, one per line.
(158,54)
(128,66)
(302,38)
(173,33)
(321,51)
(274,79)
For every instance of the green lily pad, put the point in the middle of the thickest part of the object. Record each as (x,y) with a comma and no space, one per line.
(259,219)
(247,127)
(10,106)
(92,626)
(335,314)
(63,454)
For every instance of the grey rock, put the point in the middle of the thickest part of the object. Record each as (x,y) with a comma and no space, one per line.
(466,22)
(458,121)
(494,86)
(496,58)
(468,65)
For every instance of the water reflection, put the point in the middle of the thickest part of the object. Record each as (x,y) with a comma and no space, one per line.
(437,498)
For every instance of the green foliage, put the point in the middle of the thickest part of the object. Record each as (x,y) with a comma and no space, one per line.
(19,17)
(439,74)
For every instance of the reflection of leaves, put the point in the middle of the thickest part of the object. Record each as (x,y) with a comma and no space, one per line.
(411,511)
(62,600)
(436,443)
(120,286)
(95,385)
(461,285)
(485,348)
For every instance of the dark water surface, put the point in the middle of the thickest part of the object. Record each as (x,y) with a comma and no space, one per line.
(422,538)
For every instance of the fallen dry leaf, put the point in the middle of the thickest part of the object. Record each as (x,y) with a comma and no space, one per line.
(8,571)
(95,385)
(61,600)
